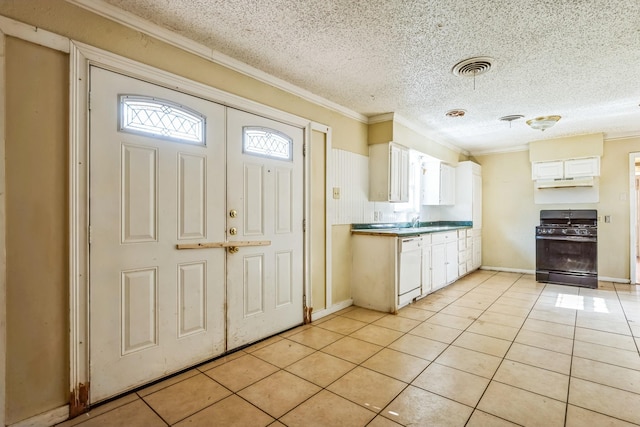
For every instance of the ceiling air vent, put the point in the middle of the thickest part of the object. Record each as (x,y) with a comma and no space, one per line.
(473,66)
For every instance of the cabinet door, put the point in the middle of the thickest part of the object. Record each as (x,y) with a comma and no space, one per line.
(447,185)
(476,196)
(578,168)
(395,163)
(426,269)
(398,174)
(438,266)
(404,175)
(451,261)
(477,252)
(547,170)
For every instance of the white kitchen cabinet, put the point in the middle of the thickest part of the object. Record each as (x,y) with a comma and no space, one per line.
(452,264)
(477,250)
(426,264)
(438,266)
(547,170)
(468,200)
(444,258)
(462,252)
(438,184)
(566,169)
(388,173)
(386,271)
(580,168)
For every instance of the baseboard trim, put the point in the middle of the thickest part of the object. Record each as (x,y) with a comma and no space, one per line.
(49,418)
(613,279)
(334,308)
(508,270)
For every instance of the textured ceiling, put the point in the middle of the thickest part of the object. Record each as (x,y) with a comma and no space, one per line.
(576,58)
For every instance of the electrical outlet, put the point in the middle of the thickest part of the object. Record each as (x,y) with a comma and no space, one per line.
(607,218)
(376,216)
(336,192)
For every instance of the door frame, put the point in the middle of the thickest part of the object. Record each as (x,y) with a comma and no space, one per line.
(633,217)
(82,57)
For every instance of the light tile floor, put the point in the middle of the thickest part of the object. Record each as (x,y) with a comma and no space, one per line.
(492,349)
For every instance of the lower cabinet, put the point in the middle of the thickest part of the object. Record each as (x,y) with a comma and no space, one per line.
(436,260)
(426,278)
(477,249)
(451,255)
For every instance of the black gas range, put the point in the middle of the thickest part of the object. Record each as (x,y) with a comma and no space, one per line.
(567,247)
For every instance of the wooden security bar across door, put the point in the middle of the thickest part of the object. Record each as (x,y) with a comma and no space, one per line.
(222,244)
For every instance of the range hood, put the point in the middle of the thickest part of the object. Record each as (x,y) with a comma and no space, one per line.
(565,183)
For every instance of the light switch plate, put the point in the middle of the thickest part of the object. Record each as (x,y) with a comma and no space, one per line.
(336,192)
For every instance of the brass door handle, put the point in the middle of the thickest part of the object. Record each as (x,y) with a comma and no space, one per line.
(233,249)
(233,231)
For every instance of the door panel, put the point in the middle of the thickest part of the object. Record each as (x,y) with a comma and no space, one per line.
(264,283)
(153,309)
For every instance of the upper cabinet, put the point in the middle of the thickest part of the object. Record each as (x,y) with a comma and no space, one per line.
(468,206)
(438,184)
(566,169)
(547,170)
(388,173)
(578,168)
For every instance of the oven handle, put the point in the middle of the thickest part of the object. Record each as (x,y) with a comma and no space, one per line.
(569,238)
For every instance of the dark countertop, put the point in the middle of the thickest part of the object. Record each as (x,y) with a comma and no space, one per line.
(404,229)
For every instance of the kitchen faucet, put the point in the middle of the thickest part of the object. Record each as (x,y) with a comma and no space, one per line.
(415,221)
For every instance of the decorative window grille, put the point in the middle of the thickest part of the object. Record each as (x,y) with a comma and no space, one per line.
(265,142)
(161,119)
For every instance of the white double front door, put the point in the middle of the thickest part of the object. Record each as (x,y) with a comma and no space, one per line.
(168,170)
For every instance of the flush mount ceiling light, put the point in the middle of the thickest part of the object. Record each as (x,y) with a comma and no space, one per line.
(543,122)
(455,113)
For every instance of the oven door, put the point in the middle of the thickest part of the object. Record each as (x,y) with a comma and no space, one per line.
(567,259)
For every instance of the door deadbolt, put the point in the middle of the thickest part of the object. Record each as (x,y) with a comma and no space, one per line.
(233,213)
(233,231)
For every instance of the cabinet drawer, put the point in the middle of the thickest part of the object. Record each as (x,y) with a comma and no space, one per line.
(462,234)
(444,237)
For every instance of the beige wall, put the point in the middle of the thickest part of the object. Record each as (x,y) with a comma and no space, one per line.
(509,214)
(36,172)
(380,133)
(567,148)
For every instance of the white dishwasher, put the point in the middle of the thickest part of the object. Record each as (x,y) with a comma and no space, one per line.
(409,269)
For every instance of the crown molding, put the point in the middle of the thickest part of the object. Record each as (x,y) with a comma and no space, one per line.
(104,9)
(615,136)
(514,149)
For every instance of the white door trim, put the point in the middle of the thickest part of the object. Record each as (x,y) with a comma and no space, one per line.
(633,217)
(81,57)
(328,218)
